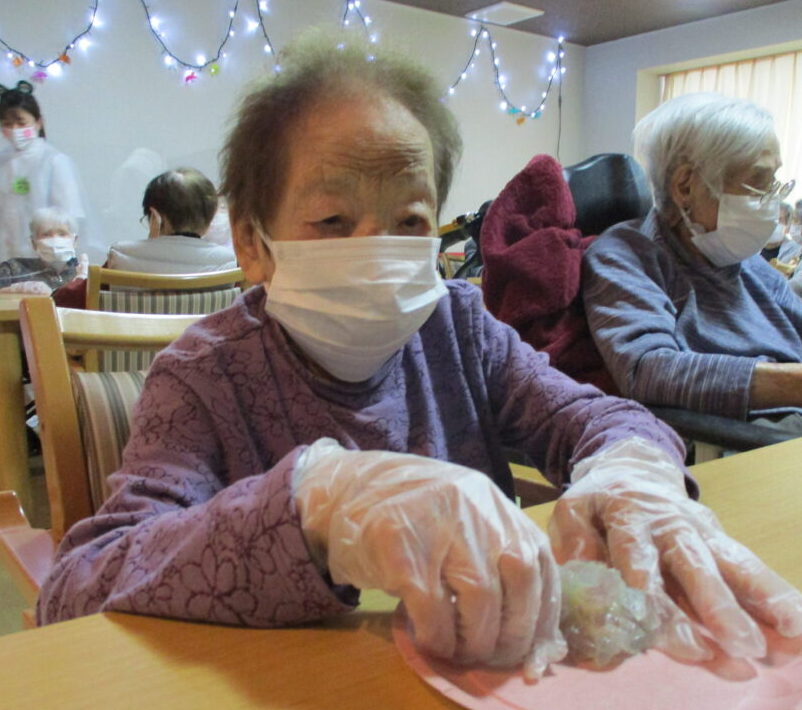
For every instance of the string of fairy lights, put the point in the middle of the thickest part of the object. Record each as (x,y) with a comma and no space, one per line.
(42,68)
(352,15)
(555,58)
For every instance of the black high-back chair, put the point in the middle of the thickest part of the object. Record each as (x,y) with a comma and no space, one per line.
(607,189)
(611,188)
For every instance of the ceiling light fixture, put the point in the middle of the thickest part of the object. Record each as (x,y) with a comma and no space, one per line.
(504,13)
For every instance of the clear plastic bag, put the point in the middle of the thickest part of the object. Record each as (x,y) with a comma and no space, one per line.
(602,618)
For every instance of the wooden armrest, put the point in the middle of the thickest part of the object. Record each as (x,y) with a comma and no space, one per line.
(26,553)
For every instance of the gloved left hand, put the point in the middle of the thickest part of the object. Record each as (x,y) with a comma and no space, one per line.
(628,507)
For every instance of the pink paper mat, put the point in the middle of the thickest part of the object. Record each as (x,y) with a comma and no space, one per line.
(648,681)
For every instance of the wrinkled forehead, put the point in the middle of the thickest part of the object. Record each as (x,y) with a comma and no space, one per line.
(52,228)
(360,137)
(760,169)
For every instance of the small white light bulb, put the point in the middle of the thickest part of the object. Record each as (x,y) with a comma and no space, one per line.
(200,59)
(169,60)
(551,56)
(503,105)
(252,25)
(155,22)
(268,49)
(54,69)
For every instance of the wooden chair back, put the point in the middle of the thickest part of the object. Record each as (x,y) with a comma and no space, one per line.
(48,335)
(136,292)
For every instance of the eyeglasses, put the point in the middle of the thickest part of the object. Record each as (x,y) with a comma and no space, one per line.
(777,190)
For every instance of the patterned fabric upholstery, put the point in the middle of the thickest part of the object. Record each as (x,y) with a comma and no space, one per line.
(170,302)
(105,401)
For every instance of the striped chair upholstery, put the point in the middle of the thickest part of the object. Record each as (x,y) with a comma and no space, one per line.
(144,301)
(105,402)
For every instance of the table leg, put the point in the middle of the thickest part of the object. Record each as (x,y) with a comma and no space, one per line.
(14,472)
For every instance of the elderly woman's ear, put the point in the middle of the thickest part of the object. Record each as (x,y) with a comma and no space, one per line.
(252,255)
(680,186)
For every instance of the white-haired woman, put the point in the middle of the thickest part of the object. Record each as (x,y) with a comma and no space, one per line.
(53,238)
(683,308)
(343,426)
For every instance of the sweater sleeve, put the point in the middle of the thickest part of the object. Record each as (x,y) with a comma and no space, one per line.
(556,420)
(173,540)
(634,322)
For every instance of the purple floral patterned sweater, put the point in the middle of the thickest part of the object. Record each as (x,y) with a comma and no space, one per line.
(201,522)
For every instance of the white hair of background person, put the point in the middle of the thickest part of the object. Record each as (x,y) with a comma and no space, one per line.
(712,132)
(46,217)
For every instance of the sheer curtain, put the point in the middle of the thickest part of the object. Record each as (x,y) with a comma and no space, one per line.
(773,82)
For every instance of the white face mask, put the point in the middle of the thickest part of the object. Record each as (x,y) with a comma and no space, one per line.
(351,303)
(56,250)
(743,227)
(21,138)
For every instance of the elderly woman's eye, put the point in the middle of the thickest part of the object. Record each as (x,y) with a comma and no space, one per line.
(415,221)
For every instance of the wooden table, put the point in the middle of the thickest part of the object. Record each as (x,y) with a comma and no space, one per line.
(120,661)
(14,473)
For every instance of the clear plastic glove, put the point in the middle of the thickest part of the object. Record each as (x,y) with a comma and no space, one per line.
(476,576)
(82,267)
(628,506)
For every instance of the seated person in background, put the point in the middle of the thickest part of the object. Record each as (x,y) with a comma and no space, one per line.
(771,252)
(179,206)
(53,239)
(682,307)
(343,424)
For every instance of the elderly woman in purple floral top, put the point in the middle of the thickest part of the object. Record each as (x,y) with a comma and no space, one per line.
(345,426)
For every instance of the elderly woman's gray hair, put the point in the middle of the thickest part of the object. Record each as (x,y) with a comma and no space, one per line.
(317,66)
(46,218)
(715,134)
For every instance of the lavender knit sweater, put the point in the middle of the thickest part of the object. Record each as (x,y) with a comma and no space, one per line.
(201,522)
(677,331)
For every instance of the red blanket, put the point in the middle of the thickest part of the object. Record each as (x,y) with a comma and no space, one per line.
(531,280)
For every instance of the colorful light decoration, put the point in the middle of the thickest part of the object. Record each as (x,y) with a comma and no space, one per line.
(261,9)
(53,67)
(355,7)
(201,61)
(521,112)
(191,70)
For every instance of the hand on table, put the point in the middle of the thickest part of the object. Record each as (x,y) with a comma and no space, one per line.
(32,288)
(476,576)
(628,507)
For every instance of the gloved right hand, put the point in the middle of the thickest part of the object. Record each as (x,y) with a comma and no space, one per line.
(477,576)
